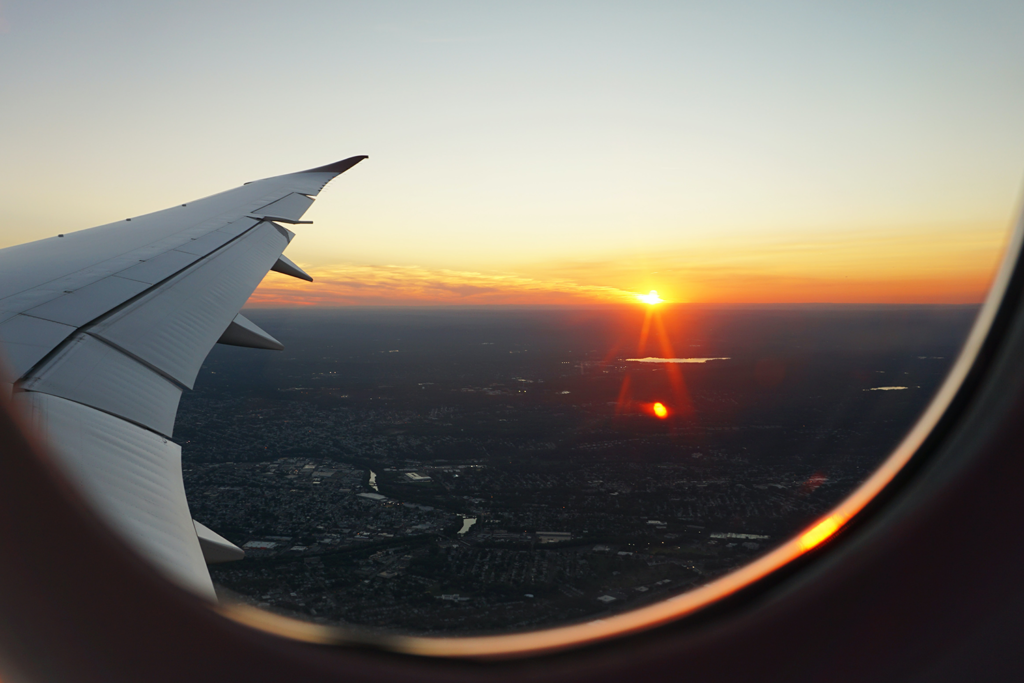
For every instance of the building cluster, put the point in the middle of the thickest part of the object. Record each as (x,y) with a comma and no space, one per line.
(456,547)
(493,510)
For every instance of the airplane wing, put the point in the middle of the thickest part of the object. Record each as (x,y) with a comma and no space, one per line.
(102,330)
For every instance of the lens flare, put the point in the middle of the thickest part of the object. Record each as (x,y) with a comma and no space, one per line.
(660,410)
(651,298)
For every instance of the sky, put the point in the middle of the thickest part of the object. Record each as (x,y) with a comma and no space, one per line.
(541,152)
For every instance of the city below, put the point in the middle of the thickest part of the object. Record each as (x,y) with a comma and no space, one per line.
(465,471)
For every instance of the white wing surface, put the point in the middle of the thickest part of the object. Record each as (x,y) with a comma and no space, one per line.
(104,328)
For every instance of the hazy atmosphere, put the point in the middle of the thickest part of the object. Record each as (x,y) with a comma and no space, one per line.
(541,152)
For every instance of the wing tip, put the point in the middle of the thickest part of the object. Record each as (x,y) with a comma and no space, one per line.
(338,166)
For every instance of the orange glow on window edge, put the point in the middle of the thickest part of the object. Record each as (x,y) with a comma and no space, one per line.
(821,531)
(531,643)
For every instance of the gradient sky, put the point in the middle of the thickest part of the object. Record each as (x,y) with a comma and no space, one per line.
(541,152)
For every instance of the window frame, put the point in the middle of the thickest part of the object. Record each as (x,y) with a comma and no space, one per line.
(918,583)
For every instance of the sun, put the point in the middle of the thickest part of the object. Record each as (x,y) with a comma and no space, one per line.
(651,298)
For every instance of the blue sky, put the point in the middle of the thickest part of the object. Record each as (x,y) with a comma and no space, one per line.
(526,137)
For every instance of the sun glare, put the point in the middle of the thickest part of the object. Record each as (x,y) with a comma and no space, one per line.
(651,298)
(660,410)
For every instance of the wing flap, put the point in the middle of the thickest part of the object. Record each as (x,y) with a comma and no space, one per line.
(244,332)
(132,478)
(216,548)
(173,327)
(286,266)
(95,374)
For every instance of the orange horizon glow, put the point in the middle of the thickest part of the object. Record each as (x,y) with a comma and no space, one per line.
(951,270)
(282,291)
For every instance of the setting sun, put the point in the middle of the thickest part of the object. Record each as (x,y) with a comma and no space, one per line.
(660,410)
(651,298)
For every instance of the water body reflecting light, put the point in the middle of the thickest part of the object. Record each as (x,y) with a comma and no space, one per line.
(673,360)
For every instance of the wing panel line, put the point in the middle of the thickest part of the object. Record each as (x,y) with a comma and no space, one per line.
(95,321)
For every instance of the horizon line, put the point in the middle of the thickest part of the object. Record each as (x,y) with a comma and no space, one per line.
(638,306)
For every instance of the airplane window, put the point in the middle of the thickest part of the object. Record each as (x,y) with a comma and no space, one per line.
(627,310)
(452,471)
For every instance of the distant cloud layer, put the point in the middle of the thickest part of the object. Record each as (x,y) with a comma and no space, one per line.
(349,284)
